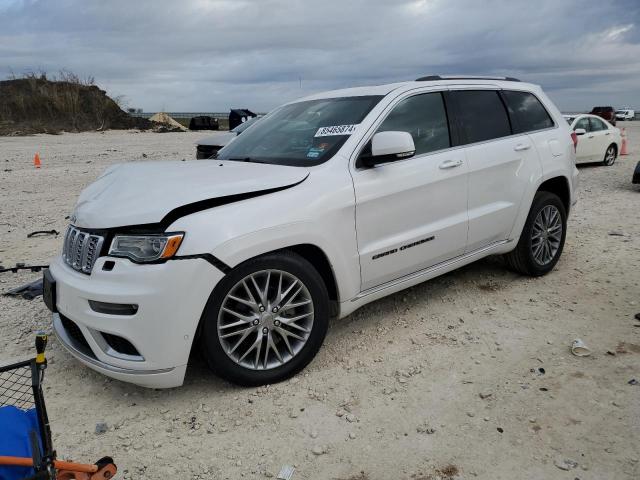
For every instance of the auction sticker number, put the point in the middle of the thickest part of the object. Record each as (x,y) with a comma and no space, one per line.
(335,130)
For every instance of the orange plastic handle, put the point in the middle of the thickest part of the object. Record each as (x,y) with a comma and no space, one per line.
(58,464)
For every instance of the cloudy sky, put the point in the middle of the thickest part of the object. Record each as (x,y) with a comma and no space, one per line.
(209,55)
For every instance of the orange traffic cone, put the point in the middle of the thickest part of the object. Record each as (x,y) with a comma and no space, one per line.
(623,148)
(36,160)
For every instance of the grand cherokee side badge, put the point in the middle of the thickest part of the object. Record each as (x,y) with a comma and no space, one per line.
(403,247)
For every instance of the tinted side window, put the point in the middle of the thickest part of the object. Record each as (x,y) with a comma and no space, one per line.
(597,125)
(527,113)
(425,118)
(482,115)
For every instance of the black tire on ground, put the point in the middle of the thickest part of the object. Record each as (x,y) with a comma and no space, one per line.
(610,155)
(218,360)
(521,259)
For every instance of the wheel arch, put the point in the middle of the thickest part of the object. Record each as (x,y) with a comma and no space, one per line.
(557,184)
(319,259)
(316,256)
(560,187)
(310,252)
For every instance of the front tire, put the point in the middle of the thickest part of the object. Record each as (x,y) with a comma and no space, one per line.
(265,320)
(542,238)
(610,155)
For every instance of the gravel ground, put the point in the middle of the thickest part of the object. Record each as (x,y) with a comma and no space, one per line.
(444,380)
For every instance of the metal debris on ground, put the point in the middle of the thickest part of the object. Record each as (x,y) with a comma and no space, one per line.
(22,266)
(43,232)
(28,291)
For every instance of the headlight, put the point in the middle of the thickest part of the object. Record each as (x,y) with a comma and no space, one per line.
(146,248)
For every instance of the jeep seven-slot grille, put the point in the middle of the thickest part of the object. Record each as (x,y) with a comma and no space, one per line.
(81,249)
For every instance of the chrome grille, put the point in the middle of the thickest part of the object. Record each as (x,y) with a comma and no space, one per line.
(81,249)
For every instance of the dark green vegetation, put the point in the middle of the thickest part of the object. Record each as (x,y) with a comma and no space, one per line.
(35,104)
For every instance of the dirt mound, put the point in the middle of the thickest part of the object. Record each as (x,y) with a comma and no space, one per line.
(167,122)
(38,105)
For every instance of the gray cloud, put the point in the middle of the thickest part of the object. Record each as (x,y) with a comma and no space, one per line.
(209,55)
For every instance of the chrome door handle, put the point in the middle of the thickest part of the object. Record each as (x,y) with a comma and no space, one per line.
(450,164)
(521,147)
(608,133)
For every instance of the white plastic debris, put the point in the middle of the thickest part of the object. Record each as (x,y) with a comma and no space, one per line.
(286,472)
(579,349)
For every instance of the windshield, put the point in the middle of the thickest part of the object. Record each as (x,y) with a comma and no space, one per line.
(301,134)
(243,126)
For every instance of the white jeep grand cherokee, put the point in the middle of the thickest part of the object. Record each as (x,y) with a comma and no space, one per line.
(326,204)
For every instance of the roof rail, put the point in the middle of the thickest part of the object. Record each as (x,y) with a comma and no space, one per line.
(431,78)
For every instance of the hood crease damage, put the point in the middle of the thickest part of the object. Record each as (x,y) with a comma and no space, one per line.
(153,195)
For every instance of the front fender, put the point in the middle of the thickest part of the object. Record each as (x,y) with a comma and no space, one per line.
(344,262)
(319,212)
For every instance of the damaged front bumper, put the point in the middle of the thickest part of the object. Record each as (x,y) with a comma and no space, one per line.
(135,323)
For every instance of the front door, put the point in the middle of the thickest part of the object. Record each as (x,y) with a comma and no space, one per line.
(587,143)
(412,213)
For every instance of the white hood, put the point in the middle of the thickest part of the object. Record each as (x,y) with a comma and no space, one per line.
(144,193)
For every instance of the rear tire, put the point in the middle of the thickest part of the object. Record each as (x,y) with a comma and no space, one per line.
(542,238)
(284,327)
(610,155)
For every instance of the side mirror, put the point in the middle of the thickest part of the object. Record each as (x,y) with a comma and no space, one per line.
(389,147)
(580,131)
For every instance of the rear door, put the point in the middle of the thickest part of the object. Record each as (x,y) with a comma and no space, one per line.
(601,136)
(412,213)
(500,164)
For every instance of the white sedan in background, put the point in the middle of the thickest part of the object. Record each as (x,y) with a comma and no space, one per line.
(598,140)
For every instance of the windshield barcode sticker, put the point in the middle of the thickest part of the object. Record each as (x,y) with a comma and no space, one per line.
(335,130)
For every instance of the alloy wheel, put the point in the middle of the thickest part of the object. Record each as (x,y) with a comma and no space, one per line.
(546,235)
(265,319)
(610,156)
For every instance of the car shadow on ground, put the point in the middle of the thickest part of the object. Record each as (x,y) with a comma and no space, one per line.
(588,165)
